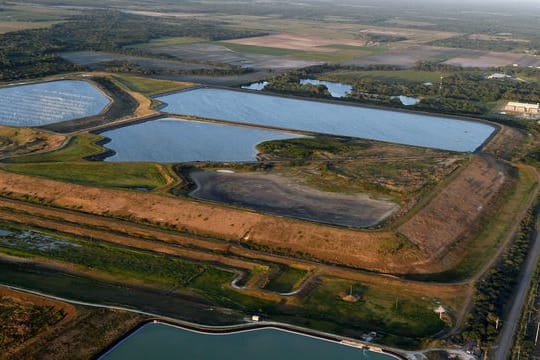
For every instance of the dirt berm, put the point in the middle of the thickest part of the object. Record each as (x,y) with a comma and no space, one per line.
(355,248)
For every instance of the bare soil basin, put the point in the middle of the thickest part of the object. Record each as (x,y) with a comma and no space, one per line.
(280,196)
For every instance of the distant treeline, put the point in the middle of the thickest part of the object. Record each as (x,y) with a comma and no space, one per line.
(33,53)
(465,42)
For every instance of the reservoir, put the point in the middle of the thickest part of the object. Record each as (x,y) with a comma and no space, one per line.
(330,118)
(161,341)
(50,102)
(175,140)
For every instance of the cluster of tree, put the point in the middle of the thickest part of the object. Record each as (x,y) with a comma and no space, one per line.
(134,68)
(290,84)
(32,53)
(458,85)
(495,290)
(382,38)
(307,148)
(461,91)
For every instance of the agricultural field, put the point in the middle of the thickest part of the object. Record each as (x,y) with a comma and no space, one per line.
(224,53)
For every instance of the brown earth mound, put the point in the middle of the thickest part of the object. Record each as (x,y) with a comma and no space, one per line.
(450,216)
(457,208)
(20,141)
(359,249)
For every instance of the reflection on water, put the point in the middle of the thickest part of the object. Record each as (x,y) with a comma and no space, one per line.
(344,120)
(174,140)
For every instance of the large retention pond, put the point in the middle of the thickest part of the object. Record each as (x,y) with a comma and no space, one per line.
(49,102)
(175,140)
(161,341)
(336,119)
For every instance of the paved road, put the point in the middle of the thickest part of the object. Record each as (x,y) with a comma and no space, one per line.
(509,329)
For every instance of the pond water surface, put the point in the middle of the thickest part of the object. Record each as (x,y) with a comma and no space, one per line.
(49,102)
(161,341)
(336,89)
(175,140)
(330,118)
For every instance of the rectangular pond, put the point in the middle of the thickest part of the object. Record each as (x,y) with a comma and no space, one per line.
(175,140)
(330,118)
(50,102)
(161,341)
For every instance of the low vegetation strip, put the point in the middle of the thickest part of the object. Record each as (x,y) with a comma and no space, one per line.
(99,256)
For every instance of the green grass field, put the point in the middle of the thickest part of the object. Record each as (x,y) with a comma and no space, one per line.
(77,148)
(66,164)
(378,308)
(149,86)
(101,174)
(286,280)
